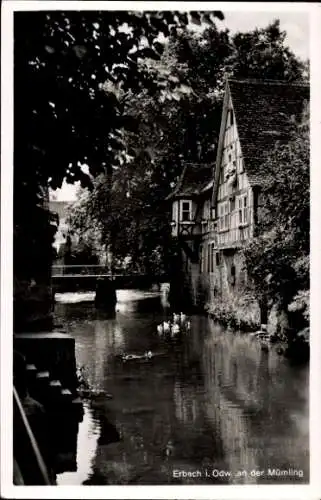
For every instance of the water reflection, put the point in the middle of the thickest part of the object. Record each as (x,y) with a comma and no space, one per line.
(213,401)
(87,439)
(256,393)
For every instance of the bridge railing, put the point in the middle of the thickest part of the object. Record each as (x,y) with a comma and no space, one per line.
(96,270)
(79,270)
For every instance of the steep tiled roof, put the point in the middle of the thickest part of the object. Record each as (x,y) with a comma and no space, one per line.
(262,111)
(194,179)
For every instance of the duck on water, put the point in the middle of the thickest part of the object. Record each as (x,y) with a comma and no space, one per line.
(129,357)
(172,328)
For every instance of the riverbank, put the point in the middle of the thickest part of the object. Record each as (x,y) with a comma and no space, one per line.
(243,314)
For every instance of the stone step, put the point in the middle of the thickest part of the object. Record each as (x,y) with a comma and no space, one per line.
(55,383)
(51,393)
(55,389)
(66,393)
(66,397)
(31,368)
(43,375)
(53,351)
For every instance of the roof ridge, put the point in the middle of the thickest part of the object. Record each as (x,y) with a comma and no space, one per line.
(267,82)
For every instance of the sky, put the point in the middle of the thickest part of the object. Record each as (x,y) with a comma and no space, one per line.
(296,24)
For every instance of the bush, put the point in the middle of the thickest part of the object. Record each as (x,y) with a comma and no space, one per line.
(236,312)
(301,303)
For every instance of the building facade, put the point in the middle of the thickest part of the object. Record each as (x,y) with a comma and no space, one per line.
(215,210)
(60,208)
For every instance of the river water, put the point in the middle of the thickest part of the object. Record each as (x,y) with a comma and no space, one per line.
(211,409)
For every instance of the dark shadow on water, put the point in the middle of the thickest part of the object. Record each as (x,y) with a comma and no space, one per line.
(108,432)
(149,305)
(102,315)
(64,434)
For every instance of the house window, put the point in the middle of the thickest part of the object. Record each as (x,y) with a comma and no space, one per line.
(231,117)
(242,205)
(217,257)
(223,211)
(208,258)
(186,211)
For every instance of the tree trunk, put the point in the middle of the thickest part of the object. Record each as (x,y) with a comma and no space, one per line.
(109,258)
(32,260)
(283,326)
(264,310)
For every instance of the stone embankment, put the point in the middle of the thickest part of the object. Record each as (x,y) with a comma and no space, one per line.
(46,382)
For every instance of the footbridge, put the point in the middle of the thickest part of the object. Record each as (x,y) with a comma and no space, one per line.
(70,278)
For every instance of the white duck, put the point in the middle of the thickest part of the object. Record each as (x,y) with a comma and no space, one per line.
(183,318)
(128,357)
(160,329)
(148,354)
(166,327)
(188,326)
(176,318)
(175,329)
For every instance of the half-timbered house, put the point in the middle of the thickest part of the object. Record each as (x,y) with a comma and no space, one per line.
(216,209)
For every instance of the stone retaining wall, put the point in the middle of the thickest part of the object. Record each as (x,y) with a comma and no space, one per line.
(52,351)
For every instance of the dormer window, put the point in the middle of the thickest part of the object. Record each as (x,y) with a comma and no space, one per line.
(223,213)
(230,118)
(186,210)
(242,205)
(240,165)
(182,217)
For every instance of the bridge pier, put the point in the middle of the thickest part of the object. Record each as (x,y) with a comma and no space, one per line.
(105,297)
